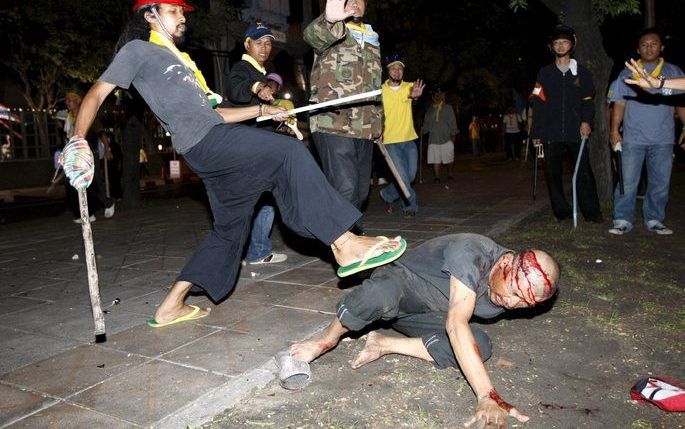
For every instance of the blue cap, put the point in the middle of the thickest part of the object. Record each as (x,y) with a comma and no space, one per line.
(394,58)
(258,30)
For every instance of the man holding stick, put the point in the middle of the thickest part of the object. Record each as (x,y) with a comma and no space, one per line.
(399,136)
(347,61)
(237,163)
(563,110)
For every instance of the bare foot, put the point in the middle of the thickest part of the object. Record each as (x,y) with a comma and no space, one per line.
(167,313)
(354,247)
(309,350)
(372,350)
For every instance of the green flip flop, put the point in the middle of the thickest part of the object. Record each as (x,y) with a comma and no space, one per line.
(376,261)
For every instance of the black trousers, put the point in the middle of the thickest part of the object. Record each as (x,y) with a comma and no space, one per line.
(237,164)
(512,145)
(346,162)
(411,306)
(588,202)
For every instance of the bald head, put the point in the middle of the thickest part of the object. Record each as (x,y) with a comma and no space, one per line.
(535,275)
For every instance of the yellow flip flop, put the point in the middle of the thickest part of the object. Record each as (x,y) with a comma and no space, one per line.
(193,315)
(367,262)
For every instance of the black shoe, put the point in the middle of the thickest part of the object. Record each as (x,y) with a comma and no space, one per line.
(595,218)
(563,217)
(436,180)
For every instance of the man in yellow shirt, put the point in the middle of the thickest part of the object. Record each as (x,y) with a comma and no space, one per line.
(399,135)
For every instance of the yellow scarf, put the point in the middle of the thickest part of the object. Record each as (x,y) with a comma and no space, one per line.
(359,27)
(657,70)
(159,39)
(438,108)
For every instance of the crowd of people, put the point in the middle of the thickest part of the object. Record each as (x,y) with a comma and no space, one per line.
(432,292)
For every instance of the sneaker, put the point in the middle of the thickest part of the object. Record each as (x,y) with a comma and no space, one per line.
(273,258)
(409,213)
(619,229)
(660,229)
(91,218)
(389,208)
(109,212)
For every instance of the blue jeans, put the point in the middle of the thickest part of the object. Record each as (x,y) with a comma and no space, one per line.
(260,243)
(405,156)
(659,160)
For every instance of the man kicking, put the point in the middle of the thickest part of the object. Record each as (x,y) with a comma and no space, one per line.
(430,295)
(236,163)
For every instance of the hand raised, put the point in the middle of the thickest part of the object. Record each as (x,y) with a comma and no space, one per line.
(417,89)
(644,79)
(336,10)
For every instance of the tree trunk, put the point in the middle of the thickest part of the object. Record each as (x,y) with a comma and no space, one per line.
(580,15)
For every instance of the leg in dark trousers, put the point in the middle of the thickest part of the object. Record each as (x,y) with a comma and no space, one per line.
(430,327)
(554,152)
(237,163)
(588,201)
(395,295)
(346,162)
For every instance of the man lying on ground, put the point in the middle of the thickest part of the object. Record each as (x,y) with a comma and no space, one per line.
(430,294)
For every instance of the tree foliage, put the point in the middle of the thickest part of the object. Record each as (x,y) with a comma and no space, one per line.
(51,45)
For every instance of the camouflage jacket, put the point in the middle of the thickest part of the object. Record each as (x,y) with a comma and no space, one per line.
(343,67)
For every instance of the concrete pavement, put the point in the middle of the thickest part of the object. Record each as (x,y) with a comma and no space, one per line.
(52,374)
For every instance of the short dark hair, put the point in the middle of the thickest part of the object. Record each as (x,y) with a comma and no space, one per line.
(650,30)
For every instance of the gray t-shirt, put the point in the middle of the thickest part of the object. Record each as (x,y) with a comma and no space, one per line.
(467,257)
(168,87)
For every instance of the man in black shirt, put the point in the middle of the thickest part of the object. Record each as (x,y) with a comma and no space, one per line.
(563,110)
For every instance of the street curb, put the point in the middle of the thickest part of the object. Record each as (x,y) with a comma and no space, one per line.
(215,402)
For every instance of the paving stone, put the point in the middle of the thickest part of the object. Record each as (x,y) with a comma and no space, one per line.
(304,276)
(21,348)
(285,323)
(234,311)
(65,415)
(267,292)
(315,298)
(68,322)
(72,371)
(17,403)
(149,392)
(228,352)
(12,304)
(152,342)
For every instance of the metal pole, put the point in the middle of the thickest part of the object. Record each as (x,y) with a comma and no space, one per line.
(575,177)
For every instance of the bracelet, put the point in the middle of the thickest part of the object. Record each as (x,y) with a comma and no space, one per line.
(662,81)
(261,109)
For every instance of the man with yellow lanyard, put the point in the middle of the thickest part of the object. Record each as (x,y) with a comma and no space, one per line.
(399,134)
(237,163)
(648,135)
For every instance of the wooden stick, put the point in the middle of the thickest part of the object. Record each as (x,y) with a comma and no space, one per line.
(393,169)
(93,288)
(328,103)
